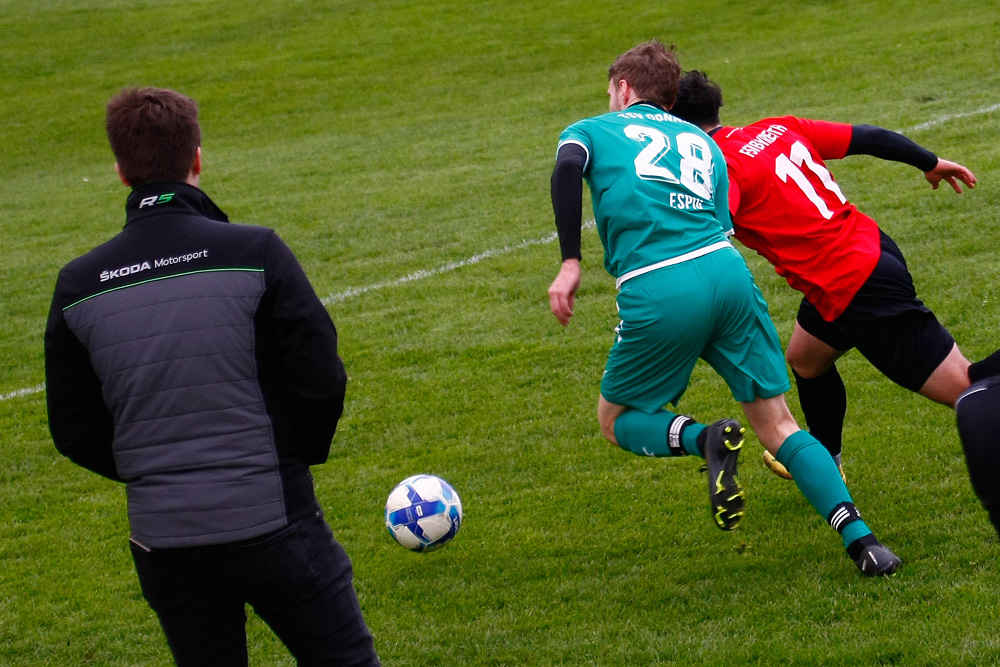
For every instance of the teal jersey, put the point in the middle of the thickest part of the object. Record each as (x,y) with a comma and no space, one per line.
(658,184)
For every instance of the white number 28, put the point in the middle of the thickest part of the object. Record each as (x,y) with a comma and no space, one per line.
(696,159)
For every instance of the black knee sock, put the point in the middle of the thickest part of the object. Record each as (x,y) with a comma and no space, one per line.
(824,404)
(988,367)
(978,415)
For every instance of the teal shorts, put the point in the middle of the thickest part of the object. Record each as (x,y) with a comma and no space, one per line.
(709,308)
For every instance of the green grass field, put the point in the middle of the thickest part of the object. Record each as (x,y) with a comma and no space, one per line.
(403,149)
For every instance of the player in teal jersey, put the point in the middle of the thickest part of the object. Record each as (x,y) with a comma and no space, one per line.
(684,293)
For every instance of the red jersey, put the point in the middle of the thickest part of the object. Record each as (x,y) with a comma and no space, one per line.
(787,207)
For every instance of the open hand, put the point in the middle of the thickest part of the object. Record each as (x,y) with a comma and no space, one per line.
(952,172)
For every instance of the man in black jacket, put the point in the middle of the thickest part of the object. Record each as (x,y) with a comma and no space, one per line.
(191,359)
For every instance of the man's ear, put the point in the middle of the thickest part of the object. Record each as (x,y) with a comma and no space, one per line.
(626,91)
(121,176)
(194,173)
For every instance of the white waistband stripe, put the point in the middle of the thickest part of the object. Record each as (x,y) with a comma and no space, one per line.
(700,252)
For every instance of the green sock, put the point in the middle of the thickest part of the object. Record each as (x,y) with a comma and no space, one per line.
(818,479)
(649,434)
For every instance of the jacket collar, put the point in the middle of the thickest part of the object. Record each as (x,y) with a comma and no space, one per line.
(153,199)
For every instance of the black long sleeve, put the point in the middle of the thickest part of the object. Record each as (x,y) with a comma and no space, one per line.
(567,196)
(305,361)
(888,145)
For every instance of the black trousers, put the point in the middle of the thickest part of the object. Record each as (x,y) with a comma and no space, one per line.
(299,580)
(978,415)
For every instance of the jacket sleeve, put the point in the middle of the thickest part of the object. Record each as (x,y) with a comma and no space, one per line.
(306,370)
(82,428)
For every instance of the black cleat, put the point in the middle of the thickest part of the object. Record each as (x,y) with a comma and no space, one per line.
(721,446)
(877,561)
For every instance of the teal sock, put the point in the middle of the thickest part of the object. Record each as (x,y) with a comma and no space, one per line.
(649,434)
(818,479)
(689,438)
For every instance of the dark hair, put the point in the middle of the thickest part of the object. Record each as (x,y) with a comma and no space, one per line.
(698,99)
(651,69)
(154,134)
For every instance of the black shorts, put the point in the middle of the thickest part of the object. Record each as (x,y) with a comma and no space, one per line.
(887,323)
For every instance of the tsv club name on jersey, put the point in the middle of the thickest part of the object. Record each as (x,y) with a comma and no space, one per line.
(110,274)
(650,116)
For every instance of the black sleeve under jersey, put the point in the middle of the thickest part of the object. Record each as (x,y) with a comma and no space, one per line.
(567,196)
(889,145)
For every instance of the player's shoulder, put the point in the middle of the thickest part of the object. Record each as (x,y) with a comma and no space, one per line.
(754,136)
(591,123)
(588,131)
(773,124)
(578,131)
(807,127)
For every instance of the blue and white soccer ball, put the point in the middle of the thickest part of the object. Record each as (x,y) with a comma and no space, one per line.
(423,513)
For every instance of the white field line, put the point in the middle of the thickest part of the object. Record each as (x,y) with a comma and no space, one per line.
(23,392)
(475,259)
(945,119)
(450,266)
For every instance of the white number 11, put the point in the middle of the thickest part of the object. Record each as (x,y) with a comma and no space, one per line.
(785,168)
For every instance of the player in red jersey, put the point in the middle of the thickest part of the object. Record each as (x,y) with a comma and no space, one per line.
(857,290)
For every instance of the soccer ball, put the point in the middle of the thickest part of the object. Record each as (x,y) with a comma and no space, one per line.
(423,513)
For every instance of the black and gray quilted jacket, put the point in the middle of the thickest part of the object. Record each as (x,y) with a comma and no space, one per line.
(191,359)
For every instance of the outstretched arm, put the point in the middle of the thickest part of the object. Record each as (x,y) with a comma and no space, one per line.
(889,145)
(567,192)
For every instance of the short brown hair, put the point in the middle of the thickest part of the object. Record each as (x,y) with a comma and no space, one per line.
(651,69)
(154,134)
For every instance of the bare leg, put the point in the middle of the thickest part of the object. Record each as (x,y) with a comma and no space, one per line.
(607,413)
(809,356)
(948,380)
(771,420)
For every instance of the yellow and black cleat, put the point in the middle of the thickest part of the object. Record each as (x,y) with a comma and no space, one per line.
(722,444)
